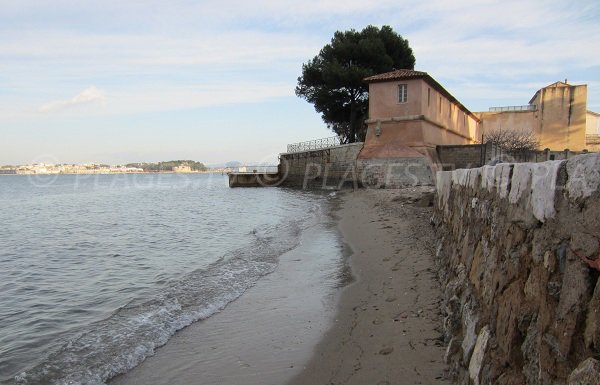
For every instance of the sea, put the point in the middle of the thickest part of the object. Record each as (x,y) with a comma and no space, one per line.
(98,271)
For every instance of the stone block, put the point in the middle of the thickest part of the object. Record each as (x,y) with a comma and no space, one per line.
(520,183)
(583,175)
(592,323)
(469,327)
(586,373)
(476,362)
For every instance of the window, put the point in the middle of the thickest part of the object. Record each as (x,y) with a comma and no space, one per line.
(402,93)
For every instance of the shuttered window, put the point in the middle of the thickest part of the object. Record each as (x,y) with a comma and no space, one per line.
(402,93)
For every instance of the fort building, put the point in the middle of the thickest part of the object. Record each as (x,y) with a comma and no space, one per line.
(184,168)
(411,109)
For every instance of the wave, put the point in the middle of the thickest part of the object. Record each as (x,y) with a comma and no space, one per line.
(122,341)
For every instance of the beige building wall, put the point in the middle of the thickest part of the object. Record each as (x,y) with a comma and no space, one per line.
(457,123)
(592,123)
(508,120)
(561,122)
(592,131)
(558,121)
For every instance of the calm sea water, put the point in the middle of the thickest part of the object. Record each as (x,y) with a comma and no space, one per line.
(98,271)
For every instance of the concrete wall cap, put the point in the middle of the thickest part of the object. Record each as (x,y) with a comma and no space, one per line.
(583,175)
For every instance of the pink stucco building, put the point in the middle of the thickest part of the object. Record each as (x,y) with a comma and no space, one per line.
(411,113)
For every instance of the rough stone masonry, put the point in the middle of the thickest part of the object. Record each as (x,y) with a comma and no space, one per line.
(519,259)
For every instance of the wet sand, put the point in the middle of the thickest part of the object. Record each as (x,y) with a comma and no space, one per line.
(297,326)
(268,334)
(388,326)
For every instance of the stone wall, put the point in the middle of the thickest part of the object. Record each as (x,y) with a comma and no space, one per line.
(339,166)
(518,259)
(470,156)
(395,172)
(467,156)
(331,167)
(247,179)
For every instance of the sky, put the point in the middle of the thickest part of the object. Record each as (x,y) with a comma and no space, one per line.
(118,81)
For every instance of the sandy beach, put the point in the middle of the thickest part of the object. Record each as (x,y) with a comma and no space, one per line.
(387,328)
(297,326)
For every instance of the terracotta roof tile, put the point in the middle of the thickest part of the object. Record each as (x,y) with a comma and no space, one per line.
(396,75)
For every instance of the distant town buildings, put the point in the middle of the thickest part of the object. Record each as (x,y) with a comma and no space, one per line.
(92,168)
(182,169)
(89,168)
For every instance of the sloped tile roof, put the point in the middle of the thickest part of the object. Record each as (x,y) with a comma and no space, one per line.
(396,75)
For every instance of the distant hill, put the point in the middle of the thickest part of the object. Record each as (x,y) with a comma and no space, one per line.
(168,165)
(234,163)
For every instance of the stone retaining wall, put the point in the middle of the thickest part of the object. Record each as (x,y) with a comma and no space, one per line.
(466,156)
(395,172)
(339,166)
(522,302)
(325,168)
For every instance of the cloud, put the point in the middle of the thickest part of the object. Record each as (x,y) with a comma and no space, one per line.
(205,64)
(89,95)
(500,44)
(508,49)
(170,98)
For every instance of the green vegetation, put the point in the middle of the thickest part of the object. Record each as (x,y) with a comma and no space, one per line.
(333,80)
(168,166)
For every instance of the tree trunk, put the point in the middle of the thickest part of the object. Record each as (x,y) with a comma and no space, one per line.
(352,134)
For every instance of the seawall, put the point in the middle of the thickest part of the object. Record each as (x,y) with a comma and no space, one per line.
(341,166)
(518,248)
(330,167)
(249,179)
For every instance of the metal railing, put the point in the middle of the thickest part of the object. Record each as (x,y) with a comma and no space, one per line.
(527,107)
(316,144)
(592,139)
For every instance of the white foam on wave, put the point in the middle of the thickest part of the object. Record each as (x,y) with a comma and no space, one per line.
(132,333)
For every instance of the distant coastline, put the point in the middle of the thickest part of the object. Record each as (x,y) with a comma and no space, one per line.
(18,172)
(164,167)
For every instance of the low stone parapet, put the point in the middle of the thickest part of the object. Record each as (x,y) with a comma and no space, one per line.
(519,258)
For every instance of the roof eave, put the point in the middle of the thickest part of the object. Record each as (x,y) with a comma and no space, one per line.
(431,81)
